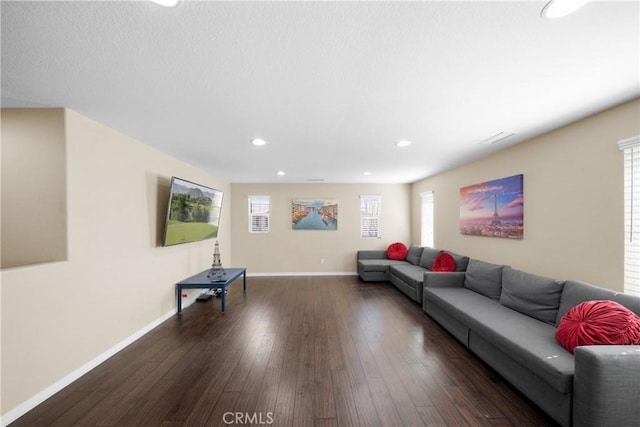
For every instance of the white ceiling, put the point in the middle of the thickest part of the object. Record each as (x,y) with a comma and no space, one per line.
(331,86)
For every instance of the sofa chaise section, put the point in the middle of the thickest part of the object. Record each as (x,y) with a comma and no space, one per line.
(373,266)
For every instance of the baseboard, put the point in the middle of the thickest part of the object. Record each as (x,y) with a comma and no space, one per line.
(340,273)
(26,406)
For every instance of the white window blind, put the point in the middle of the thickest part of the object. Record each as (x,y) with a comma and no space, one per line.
(370,216)
(426,227)
(259,207)
(631,149)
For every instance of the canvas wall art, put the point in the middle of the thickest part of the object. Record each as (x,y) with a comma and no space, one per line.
(494,208)
(314,214)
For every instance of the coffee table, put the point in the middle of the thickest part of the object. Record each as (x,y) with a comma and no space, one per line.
(207,279)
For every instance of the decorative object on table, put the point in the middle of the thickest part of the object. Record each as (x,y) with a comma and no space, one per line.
(314,214)
(494,208)
(216,273)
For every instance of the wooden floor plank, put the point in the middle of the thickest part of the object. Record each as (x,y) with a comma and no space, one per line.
(294,351)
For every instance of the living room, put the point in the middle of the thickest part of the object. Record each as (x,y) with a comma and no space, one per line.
(90,277)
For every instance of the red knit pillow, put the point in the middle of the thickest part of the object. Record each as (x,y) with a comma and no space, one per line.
(598,323)
(397,251)
(444,262)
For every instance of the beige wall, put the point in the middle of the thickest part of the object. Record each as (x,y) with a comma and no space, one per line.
(573,196)
(34,212)
(56,317)
(284,250)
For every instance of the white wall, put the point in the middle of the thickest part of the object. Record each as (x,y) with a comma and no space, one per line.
(34,212)
(285,250)
(573,211)
(56,317)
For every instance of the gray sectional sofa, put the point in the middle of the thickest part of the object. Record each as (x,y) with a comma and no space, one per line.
(407,275)
(508,318)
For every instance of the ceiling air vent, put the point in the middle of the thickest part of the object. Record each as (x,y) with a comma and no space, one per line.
(315,179)
(499,137)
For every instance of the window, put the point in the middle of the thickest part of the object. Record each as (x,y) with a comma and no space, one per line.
(631,149)
(259,214)
(426,227)
(370,217)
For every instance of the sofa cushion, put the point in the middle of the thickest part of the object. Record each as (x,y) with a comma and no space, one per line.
(529,342)
(461,261)
(413,275)
(414,254)
(484,278)
(575,292)
(369,265)
(397,251)
(428,256)
(444,262)
(530,294)
(598,323)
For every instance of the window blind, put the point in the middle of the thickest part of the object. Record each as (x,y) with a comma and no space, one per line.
(631,149)
(426,227)
(370,216)
(259,207)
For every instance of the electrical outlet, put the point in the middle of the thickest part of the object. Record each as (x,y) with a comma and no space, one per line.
(321,260)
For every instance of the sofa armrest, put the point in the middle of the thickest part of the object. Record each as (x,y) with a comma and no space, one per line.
(379,254)
(606,386)
(437,279)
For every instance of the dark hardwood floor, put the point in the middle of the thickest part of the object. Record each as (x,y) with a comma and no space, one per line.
(293,351)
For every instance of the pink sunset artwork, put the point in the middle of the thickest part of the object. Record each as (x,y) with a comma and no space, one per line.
(494,208)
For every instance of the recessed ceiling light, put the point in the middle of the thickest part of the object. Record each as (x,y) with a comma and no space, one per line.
(166,3)
(367,173)
(281,173)
(403,143)
(258,142)
(560,8)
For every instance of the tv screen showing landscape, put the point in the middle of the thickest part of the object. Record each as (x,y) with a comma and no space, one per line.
(193,213)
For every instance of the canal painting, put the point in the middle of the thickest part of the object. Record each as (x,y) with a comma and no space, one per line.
(493,209)
(314,214)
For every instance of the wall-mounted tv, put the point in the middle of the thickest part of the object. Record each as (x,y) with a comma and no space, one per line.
(193,212)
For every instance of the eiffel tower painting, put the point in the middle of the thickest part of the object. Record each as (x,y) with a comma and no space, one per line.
(502,218)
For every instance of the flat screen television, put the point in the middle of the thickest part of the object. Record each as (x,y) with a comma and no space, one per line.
(193,212)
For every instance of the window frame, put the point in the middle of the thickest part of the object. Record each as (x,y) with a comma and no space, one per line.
(370,215)
(265,215)
(427,218)
(631,150)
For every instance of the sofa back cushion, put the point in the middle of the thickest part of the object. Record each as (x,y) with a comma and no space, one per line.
(414,254)
(484,278)
(530,294)
(428,256)
(462,262)
(576,292)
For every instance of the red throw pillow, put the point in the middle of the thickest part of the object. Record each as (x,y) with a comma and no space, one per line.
(397,251)
(444,262)
(598,323)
